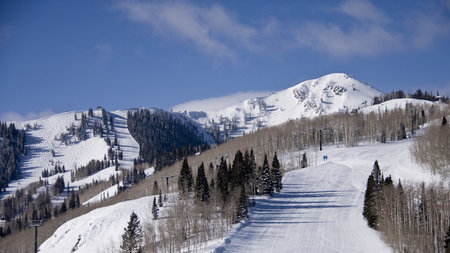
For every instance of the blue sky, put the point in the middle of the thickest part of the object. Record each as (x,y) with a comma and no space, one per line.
(57,56)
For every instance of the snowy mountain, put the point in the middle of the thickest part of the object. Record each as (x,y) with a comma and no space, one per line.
(50,143)
(325,95)
(58,140)
(319,209)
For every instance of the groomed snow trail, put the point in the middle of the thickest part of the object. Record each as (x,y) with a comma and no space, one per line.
(318,210)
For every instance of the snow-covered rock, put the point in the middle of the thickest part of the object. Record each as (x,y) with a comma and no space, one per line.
(328,94)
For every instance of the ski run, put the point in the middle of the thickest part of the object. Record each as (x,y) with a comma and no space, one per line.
(318,210)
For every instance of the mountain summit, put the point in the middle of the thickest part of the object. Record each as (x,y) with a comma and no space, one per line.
(328,94)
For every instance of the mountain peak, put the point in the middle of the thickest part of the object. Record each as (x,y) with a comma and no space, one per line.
(335,92)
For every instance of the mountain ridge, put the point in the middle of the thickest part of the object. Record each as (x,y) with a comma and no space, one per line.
(335,92)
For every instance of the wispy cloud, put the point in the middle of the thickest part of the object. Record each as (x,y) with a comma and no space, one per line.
(5,32)
(217,103)
(362,29)
(362,10)
(15,116)
(427,27)
(212,29)
(334,40)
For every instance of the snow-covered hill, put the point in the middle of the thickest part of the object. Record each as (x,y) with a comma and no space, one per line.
(328,94)
(45,149)
(318,210)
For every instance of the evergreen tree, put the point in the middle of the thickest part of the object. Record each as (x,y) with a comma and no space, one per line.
(63,208)
(201,185)
(242,206)
(185,180)
(277,177)
(304,162)
(237,171)
(160,200)
(222,180)
(266,178)
(155,209)
(369,203)
(132,236)
(402,132)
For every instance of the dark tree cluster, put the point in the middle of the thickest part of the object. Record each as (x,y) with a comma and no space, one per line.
(54,171)
(131,177)
(418,94)
(12,145)
(232,185)
(163,138)
(92,167)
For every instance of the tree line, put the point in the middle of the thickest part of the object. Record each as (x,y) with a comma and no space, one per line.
(163,138)
(209,202)
(12,147)
(412,218)
(418,94)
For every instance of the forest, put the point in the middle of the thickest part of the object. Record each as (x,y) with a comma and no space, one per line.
(163,138)
(12,146)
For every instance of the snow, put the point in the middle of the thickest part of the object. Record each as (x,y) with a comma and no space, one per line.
(399,103)
(318,210)
(99,230)
(41,141)
(328,94)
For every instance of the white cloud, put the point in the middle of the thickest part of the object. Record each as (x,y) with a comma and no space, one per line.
(366,29)
(427,27)
(212,29)
(216,103)
(15,116)
(334,40)
(362,10)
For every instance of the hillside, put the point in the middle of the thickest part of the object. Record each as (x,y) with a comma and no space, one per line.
(46,149)
(325,95)
(319,208)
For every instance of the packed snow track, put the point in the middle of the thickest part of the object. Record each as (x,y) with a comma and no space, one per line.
(318,210)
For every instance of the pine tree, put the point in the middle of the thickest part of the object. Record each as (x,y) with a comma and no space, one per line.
(266,178)
(63,208)
(237,171)
(222,180)
(160,200)
(369,203)
(242,206)
(277,177)
(132,236)
(304,162)
(185,180)
(201,185)
(155,209)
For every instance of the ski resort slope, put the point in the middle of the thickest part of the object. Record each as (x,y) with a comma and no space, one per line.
(318,210)
(320,207)
(99,230)
(40,140)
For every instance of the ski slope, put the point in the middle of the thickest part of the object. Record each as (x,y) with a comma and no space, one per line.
(320,207)
(318,210)
(40,140)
